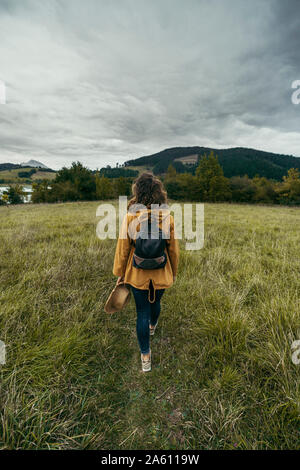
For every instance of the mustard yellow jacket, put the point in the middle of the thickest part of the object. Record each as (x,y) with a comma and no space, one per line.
(140,278)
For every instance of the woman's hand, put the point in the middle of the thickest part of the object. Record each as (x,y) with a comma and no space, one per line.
(120,280)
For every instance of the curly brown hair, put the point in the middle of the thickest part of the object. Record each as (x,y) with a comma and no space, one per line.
(147,189)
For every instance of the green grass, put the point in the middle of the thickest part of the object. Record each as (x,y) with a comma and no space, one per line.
(11,176)
(222,374)
(140,169)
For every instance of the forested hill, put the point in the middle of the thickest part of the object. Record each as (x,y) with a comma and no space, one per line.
(235,161)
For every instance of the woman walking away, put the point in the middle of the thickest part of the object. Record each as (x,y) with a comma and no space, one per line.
(147,256)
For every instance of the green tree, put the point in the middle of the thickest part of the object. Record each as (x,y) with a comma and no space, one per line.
(242,188)
(187,187)
(81,178)
(290,188)
(171,172)
(15,194)
(212,184)
(265,190)
(66,191)
(171,184)
(4,199)
(122,186)
(104,188)
(40,192)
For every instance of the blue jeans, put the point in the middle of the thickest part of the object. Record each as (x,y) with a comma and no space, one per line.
(147,312)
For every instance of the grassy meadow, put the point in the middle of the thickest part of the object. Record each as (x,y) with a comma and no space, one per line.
(11,176)
(222,375)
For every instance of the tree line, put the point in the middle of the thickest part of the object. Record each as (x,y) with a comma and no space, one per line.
(78,183)
(208,184)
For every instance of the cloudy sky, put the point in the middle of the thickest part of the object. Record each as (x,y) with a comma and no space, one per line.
(103,81)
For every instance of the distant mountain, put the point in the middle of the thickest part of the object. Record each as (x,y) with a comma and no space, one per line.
(236,161)
(34,164)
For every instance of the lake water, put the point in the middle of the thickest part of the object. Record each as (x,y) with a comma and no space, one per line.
(27,190)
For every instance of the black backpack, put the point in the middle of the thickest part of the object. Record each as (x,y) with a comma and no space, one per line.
(149,252)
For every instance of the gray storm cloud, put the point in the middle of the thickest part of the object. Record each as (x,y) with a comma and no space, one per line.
(102,82)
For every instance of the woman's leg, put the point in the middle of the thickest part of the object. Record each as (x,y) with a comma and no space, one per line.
(155,307)
(143,310)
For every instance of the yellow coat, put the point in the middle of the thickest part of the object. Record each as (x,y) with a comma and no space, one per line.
(140,278)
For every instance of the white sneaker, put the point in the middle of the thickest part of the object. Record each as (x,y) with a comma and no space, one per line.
(146,364)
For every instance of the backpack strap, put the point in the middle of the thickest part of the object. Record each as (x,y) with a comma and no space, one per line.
(149,292)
